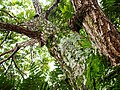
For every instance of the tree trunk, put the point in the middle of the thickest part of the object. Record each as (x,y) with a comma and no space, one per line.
(98,26)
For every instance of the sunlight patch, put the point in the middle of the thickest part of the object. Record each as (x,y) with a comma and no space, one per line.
(52,66)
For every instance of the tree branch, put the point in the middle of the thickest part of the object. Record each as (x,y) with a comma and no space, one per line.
(51,8)
(8,68)
(14,52)
(4,38)
(17,47)
(17,67)
(37,6)
(19,29)
(9,15)
(6,52)
(3,66)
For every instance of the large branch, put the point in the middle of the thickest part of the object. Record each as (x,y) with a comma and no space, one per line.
(19,29)
(99,27)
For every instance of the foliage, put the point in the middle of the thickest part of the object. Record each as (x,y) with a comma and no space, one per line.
(62,13)
(95,71)
(6,83)
(35,71)
(112,10)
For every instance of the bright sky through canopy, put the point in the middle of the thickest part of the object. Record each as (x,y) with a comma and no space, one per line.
(45,2)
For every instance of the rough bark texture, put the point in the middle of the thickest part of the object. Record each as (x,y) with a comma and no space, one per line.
(88,13)
(99,27)
(21,30)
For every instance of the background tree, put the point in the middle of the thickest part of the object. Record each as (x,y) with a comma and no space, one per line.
(45,41)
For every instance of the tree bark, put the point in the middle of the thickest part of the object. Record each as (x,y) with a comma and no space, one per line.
(102,32)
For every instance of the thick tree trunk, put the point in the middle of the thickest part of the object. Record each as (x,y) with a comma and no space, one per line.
(98,26)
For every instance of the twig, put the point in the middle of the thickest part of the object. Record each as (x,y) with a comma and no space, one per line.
(10,15)
(15,50)
(18,46)
(17,67)
(4,67)
(6,52)
(51,8)
(4,38)
(8,67)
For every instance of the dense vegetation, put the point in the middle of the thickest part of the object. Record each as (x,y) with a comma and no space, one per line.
(35,68)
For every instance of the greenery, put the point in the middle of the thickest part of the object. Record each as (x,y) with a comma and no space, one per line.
(34,67)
